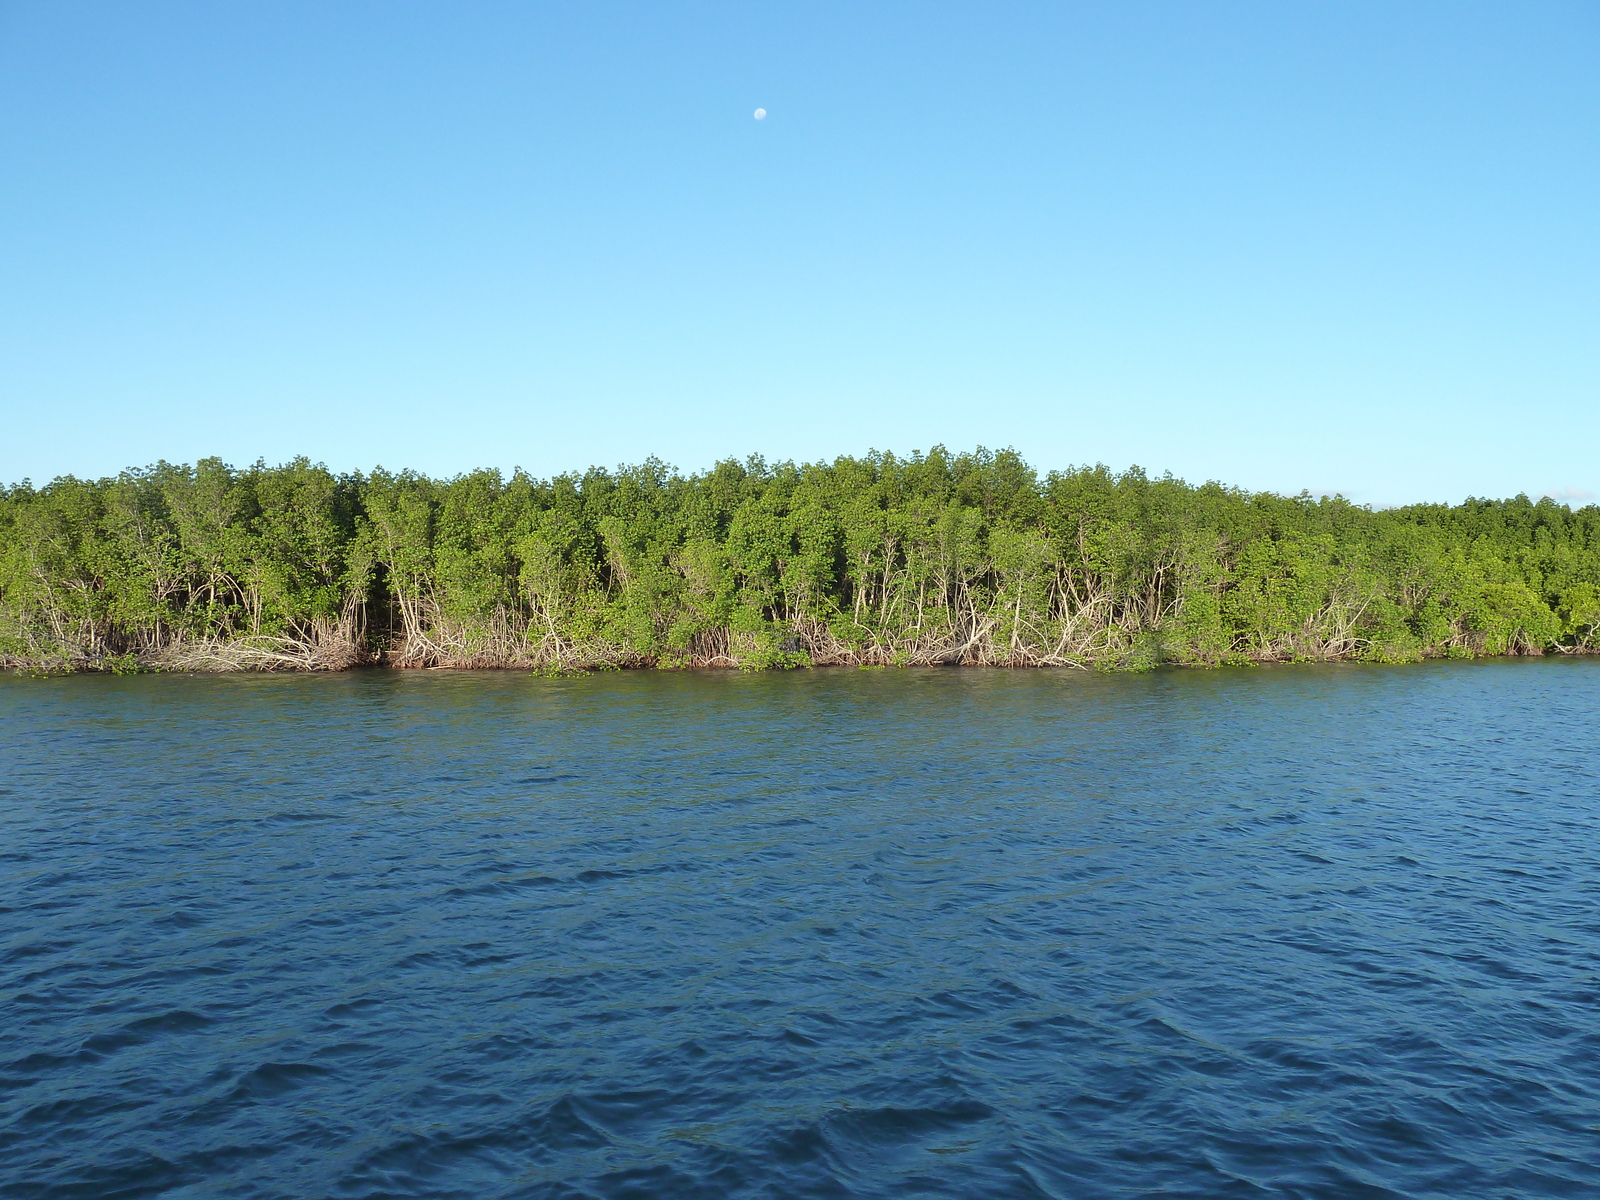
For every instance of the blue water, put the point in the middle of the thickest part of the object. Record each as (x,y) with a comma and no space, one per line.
(1328,931)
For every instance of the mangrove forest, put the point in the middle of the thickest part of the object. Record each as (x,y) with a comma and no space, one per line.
(936,558)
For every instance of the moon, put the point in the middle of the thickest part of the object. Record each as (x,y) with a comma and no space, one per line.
(761,114)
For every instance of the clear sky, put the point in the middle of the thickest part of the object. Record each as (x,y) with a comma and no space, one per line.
(1339,246)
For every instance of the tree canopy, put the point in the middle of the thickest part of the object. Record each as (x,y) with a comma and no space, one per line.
(933,558)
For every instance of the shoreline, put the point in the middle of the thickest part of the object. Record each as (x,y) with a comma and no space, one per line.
(134,665)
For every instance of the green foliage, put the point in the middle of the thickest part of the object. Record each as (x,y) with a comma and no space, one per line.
(875,561)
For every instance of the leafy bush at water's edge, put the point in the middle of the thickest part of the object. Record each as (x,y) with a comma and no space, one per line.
(936,558)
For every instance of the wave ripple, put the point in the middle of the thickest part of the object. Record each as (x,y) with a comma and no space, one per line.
(1323,932)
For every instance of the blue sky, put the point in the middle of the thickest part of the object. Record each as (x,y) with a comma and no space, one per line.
(1345,247)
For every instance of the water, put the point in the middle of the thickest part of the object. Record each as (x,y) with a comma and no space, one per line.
(1304,932)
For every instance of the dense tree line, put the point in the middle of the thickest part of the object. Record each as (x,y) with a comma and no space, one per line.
(936,558)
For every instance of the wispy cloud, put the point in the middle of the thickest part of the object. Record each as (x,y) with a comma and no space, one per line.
(1573,497)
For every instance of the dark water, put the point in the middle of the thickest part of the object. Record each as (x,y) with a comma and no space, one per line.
(1300,932)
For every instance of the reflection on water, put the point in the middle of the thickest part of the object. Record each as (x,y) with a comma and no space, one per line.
(1313,932)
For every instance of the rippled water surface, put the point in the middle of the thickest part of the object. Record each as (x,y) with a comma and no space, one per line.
(1306,932)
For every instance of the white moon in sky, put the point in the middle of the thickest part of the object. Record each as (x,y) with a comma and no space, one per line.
(761,114)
